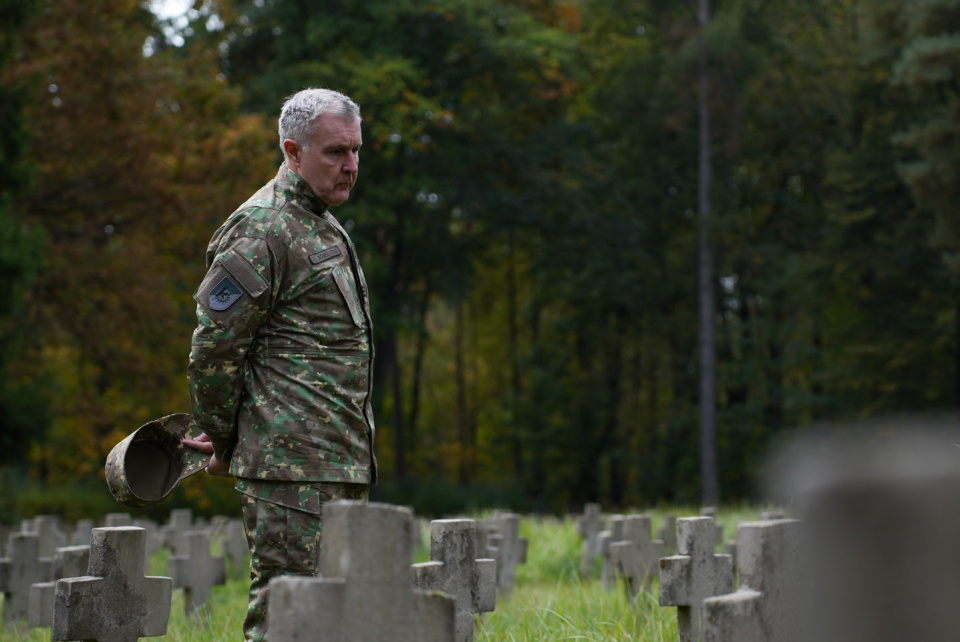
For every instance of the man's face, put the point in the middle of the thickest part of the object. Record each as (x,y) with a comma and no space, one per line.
(331,161)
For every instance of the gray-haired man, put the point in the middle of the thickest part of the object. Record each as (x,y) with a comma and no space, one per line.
(282,358)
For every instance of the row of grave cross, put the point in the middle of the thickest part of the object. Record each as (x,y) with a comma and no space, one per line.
(102,591)
(699,582)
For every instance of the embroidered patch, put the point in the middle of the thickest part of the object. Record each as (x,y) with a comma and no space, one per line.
(327,254)
(224,294)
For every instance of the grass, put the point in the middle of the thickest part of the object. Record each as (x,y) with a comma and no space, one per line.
(550,603)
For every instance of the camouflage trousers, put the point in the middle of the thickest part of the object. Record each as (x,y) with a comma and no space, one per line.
(283,541)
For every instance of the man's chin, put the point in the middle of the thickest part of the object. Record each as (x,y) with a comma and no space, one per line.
(338,198)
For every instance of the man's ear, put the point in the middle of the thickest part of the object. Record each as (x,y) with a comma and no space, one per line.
(292,150)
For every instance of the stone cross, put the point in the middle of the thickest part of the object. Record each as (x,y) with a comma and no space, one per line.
(175,532)
(687,579)
(763,609)
(50,538)
(455,570)
(608,574)
(668,533)
(153,535)
(364,590)
(637,557)
(588,528)
(114,520)
(69,561)
(508,548)
(81,532)
(235,549)
(880,510)
(710,511)
(197,571)
(730,548)
(18,571)
(114,602)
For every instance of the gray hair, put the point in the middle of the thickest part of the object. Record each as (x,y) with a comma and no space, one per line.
(304,107)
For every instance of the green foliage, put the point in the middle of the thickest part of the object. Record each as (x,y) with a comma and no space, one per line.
(525,216)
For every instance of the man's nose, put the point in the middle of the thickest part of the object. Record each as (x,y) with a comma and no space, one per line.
(352,164)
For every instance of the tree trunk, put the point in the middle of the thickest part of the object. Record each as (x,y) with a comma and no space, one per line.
(463,420)
(421,348)
(392,365)
(710,493)
(513,347)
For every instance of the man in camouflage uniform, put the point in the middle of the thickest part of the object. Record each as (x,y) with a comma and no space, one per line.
(281,360)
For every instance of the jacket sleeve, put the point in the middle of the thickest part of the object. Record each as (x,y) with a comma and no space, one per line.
(233,301)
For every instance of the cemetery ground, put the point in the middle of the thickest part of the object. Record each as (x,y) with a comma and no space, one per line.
(550,600)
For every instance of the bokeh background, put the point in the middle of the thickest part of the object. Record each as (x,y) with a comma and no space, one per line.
(527,214)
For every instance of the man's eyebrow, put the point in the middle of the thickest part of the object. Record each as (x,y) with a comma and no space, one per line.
(338,146)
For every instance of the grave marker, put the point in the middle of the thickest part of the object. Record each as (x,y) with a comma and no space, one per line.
(693,575)
(881,525)
(588,528)
(364,591)
(764,608)
(18,571)
(196,571)
(173,535)
(81,532)
(637,557)
(235,549)
(710,511)
(509,549)
(114,602)
(668,533)
(455,570)
(608,574)
(116,520)
(69,561)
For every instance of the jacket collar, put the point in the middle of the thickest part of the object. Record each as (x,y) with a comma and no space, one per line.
(296,189)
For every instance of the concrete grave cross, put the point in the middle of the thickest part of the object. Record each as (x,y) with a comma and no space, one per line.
(637,557)
(18,571)
(687,579)
(668,533)
(114,602)
(47,528)
(710,511)
(764,608)
(455,570)
(81,533)
(69,561)
(115,520)
(608,574)
(364,590)
(174,534)
(197,571)
(235,549)
(588,528)
(508,548)
(153,535)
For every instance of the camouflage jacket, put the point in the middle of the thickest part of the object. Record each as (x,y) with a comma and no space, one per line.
(282,358)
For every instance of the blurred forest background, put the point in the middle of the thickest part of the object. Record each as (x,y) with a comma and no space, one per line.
(527,217)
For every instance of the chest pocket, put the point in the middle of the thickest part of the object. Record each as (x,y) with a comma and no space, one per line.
(348,291)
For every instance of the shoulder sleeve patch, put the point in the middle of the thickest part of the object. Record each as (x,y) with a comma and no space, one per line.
(224,294)
(244,274)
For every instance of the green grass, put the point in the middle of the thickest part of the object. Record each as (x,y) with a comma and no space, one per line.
(550,602)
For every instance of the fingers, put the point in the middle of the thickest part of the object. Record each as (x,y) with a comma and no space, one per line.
(218,468)
(204,446)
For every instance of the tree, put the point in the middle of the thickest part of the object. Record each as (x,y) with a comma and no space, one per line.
(126,198)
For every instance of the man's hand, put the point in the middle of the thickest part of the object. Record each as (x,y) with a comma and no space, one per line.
(204,445)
